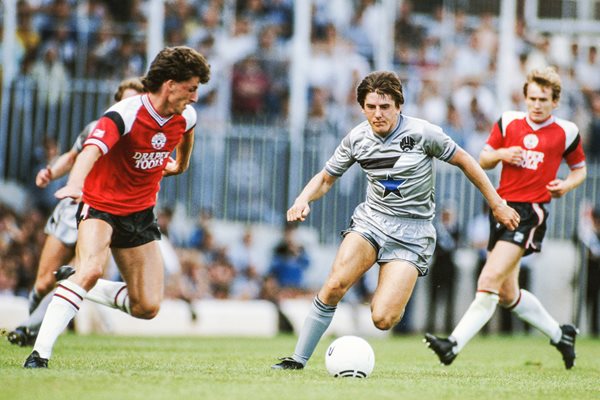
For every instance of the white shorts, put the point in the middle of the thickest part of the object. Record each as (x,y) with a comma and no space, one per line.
(62,224)
(396,238)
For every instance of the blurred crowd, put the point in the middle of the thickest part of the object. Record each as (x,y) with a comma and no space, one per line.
(447,59)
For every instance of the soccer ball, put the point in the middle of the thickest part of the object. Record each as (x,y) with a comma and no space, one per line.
(350,356)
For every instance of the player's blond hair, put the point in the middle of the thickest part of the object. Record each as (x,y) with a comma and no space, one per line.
(547,77)
(130,83)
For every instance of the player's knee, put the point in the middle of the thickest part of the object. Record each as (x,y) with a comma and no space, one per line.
(145,310)
(489,280)
(334,290)
(89,275)
(507,299)
(43,285)
(384,322)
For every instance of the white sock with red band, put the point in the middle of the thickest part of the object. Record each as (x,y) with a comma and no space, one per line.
(529,309)
(111,294)
(64,305)
(479,313)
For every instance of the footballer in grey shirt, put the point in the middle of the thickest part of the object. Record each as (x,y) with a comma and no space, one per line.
(392,227)
(399,166)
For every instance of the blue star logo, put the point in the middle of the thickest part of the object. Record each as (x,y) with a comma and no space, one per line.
(391,186)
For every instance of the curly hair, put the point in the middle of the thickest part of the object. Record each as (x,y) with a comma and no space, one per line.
(178,63)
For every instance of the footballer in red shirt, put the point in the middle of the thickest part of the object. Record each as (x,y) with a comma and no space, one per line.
(117,177)
(530,146)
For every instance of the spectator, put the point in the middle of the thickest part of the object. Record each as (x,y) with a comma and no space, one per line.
(220,276)
(289,263)
(454,127)
(8,277)
(28,38)
(209,27)
(50,76)
(587,72)
(321,127)
(194,282)
(250,85)
(243,256)
(405,30)
(593,151)
(274,62)
(589,235)
(202,227)
(471,61)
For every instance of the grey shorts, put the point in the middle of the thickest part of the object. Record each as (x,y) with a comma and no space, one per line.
(62,224)
(395,238)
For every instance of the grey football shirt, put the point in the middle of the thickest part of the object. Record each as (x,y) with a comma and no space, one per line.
(399,167)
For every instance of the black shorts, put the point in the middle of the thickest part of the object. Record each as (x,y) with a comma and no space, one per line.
(530,232)
(131,230)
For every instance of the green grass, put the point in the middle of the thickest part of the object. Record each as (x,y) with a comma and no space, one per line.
(104,367)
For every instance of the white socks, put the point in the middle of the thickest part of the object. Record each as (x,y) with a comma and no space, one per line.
(66,302)
(64,305)
(111,294)
(529,309)
(479,313)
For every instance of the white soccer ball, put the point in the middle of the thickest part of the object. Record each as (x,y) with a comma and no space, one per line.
(350,356)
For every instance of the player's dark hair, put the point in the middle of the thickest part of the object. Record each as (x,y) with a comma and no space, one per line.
(178,63)
(130,83)
(380,82)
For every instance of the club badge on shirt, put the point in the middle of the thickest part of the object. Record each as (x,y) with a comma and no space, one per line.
(158,140)
(530,141)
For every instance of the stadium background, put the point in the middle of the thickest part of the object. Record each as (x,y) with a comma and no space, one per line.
(280,98)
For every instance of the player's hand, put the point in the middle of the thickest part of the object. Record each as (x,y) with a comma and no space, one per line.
(512,155)
(507,216)
(172,168)
(43,177)
(69,191)
(298,212)
(557,188)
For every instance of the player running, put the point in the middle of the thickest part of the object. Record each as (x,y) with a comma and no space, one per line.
(530,147)
(117,177)
(61,231)
(393,227)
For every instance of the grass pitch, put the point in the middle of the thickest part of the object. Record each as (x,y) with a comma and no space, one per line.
(105,367)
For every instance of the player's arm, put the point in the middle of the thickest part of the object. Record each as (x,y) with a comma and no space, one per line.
(490,157)
(314,190)
(495,151)
(60,167)
(82,167)
(559,187)
(502,212)
(182,157)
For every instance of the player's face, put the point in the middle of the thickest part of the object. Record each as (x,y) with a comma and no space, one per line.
(539,102)
(381,112)
(182,93)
